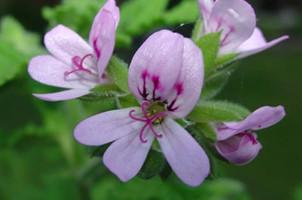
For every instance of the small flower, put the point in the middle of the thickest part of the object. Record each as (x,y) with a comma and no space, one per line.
(236,20)
(74,64)
(237,141)
(166,77)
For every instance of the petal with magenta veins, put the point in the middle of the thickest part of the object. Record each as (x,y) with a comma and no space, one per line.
(64,95)
(102,34)
(51,71)
(106,127)
(158,62)
(65,44)
(237,21)
(257,43)
(126,156)
(185,156)
(206,7)
(263,117)
(239,150)
(190,81)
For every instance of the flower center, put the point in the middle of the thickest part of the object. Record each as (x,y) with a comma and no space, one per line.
(153,114)
(79,65)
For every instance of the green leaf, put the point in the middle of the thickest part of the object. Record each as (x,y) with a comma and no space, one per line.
(12,32)
(209,44)
(76,14)
(10,62)
(218,111)
(185,12)
(215,83)
(153,165)
(118,72)
(16,47)
(139,16)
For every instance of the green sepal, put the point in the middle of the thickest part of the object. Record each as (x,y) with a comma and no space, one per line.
(118,72)
(153,165)
(197,30)
(208,130)
(101,92)
(209,44)
(225,59)
(217,111)
(128,101)
(215,83)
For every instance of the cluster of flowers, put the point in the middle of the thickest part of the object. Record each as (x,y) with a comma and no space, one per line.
(166,76)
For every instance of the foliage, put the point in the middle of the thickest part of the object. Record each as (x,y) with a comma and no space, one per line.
(14,48)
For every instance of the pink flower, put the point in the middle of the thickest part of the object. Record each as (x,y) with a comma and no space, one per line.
(74,64)
(237,141)
(236,20)
(166,77)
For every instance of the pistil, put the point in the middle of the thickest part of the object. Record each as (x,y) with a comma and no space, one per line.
(79,65)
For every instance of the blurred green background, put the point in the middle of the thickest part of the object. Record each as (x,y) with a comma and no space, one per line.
(39,158)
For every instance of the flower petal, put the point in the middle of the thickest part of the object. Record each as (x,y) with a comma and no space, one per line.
(64,95)
(206,7)
(126,156)
(50,71)
(159,60)
(102,34)
(263,117)
(237,21)
(190,80)
(106,127)
(257,43)
(65,44)
(187,159)
(239,150)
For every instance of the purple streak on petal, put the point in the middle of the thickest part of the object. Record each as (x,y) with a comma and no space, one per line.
(65,44)
(257,43)
(187,159)
(239,149)
(64,95)
(206,7)
(49,70)
(106,127)
(237,21)
(126,156)
(102,34)
(263,117)
(158,56)
(190,81)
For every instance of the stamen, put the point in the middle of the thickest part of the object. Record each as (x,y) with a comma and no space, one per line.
(136,118)
(79,64)
(148,120)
